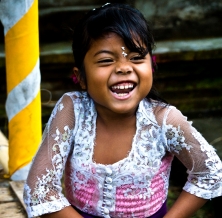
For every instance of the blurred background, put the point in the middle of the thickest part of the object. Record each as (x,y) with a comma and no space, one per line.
(188,35)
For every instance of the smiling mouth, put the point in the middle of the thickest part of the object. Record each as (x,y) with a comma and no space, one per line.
(122,89)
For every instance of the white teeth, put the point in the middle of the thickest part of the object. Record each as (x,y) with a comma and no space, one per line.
(121,87)
(121,94)
(130,85)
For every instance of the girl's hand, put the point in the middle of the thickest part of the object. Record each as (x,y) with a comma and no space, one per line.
(185,206)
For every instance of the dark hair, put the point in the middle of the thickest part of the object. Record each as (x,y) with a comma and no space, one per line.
(122,19)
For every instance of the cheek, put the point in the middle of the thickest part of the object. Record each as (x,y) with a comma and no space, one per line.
(147,74)
(147,81)
(95,83)
(95,80)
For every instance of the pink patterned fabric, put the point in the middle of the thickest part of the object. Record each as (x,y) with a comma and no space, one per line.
(158,185)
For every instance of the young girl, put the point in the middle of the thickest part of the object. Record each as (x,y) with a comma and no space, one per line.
(115,139)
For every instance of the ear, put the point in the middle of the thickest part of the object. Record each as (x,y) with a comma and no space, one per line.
(77,74)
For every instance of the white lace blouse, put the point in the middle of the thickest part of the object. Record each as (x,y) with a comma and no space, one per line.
(135,186)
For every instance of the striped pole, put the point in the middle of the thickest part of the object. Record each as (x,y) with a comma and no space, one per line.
(23,104)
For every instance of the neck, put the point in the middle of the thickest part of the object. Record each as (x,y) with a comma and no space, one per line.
(111,119)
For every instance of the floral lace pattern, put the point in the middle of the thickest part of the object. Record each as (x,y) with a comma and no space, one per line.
(135,186)
(176,139)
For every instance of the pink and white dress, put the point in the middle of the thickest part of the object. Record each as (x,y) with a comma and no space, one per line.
(135,186)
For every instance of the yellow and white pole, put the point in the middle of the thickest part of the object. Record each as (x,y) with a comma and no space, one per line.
(23,104)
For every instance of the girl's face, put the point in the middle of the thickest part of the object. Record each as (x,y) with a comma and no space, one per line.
(117,79)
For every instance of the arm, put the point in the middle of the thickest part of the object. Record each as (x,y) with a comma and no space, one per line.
(185,206)
(43,189)
(203,165)
(67,212)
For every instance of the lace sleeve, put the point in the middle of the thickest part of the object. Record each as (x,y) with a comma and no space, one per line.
(43,189)
(203,165)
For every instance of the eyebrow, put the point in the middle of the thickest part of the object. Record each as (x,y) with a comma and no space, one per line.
(103,51)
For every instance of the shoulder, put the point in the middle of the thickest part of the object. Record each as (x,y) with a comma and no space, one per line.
(79,102)
(64,111)
(75,95)
(174,122)
(67,102)
(156,110)
(175,117)
(166,114)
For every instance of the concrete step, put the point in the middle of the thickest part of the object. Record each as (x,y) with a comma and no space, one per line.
(166,51)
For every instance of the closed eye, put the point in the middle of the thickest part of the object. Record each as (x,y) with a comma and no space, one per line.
(137,58)
(105,61)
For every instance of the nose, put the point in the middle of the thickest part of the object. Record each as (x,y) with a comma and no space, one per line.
(123,68)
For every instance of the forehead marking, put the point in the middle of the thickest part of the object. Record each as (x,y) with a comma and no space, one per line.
(124,53)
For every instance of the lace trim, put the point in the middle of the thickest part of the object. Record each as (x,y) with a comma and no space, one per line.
(47,207)
(216,191)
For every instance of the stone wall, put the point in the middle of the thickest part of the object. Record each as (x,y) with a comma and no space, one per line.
(171,19)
